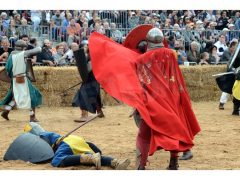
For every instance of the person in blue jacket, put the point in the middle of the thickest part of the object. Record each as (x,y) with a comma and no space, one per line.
(74,150)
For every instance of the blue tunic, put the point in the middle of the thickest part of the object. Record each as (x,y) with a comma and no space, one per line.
(71,145)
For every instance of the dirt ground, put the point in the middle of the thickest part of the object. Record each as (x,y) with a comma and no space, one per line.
(216,146)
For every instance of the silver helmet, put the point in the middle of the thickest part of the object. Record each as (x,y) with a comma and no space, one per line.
(84,42)
(155,36)
(20,45)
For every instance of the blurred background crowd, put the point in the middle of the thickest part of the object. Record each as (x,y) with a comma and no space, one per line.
(197,36)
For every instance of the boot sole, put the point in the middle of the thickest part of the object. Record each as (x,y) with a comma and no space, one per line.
(123,165)
(98,164)
(5,117)
(186,158)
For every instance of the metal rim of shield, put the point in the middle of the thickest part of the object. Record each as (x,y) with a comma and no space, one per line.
(137,35)
(29,148)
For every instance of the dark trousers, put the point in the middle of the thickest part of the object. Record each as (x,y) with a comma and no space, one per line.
(236,106)
(74,160)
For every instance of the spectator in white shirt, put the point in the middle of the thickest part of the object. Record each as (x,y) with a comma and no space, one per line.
(221,45)
(36,17)
(69,53)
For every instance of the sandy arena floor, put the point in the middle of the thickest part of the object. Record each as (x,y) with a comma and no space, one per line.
(216,147)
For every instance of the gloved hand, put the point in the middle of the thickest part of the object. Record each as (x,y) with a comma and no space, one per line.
(236,70)
(237,73)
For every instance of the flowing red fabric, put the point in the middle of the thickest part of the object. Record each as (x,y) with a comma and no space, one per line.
(165,43)
(153,84)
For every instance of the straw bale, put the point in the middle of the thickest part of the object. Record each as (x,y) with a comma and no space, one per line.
(200,83)
(108,100)
(57,78)
(51,81)
(191,75)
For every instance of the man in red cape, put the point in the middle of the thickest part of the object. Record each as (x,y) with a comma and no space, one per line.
(153,84)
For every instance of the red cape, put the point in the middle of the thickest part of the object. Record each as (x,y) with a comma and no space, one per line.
(163,103)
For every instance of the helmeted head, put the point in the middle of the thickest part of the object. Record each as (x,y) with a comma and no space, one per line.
(33,128)
(142,46)
(84,45)
(20,45)
(37,130)
(84,42)
(155,36)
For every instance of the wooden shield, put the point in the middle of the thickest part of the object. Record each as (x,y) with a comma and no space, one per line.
(30,72)
(4,77)
(136,35)
(226,82)
(81,63)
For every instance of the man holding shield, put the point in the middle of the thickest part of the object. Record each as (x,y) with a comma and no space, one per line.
(87,97)
(153,84)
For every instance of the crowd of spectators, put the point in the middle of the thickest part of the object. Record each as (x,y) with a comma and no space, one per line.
(197,36)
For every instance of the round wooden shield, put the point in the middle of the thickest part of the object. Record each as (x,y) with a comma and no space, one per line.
(136,35)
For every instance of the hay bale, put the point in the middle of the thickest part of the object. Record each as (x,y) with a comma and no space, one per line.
(56,79)
(51,81)
(200,83)
(3,87)
(51,99)
(191,75)
(108,100)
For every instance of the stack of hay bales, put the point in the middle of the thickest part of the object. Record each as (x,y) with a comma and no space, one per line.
(3,87)
(200,83)
(52,81)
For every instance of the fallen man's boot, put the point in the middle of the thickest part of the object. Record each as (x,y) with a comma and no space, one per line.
(173,164)
(91,159)
(120,164)
(186,155)
(5,114)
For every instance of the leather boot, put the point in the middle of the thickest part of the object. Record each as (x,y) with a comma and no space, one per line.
(84,113)
(235,108)
(100,112)
(5,114)
(186,155)
(221,106)
(90,159)
(120,164)
(173,164)
(138,160)
(33,117)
